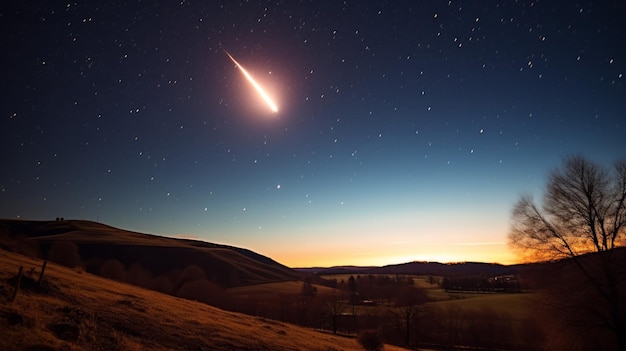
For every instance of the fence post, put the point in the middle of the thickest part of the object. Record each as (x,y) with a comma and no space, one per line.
(43,268)
(18,283)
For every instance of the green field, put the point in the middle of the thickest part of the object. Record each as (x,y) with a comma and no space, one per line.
(515,305)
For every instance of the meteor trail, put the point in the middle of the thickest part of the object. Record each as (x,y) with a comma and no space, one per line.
(266,98)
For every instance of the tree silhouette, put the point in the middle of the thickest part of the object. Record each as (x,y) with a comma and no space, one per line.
(65,253)
(584,211)
(307,288)
(370,340)
(409,302)
(335,306)
(352,284)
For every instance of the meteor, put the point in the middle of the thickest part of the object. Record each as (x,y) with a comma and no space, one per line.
(266,98)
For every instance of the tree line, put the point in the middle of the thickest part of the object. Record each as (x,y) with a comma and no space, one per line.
(478,284)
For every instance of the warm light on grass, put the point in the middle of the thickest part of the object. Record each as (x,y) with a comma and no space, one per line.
(112,315)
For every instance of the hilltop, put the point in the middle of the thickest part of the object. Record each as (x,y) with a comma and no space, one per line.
(142,259)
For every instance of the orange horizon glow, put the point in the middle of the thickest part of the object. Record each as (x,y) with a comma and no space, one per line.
(309,255)
(491,252)
(374,239)
(384,260)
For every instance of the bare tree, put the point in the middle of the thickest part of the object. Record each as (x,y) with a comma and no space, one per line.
(584,211)
(335,307)
(408,309)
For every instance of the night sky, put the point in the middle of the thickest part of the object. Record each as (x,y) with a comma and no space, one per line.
(406,130)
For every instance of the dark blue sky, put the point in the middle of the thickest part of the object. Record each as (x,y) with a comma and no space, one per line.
(406,130)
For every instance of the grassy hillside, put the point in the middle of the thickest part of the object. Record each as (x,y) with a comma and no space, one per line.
(92,245)
(74,310)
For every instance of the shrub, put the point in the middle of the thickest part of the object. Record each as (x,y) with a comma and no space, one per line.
(370,340)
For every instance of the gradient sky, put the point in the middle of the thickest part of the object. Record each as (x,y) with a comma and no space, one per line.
(406,130)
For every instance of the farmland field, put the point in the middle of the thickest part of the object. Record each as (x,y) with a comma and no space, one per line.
(273,289)
(515,305)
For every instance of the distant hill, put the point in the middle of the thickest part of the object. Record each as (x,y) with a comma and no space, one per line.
(140,258)
(422,268)
(166,264)
(448,269)
(337,270)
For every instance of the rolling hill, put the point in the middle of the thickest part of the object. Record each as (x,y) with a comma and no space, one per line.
(141,259)
(74,310)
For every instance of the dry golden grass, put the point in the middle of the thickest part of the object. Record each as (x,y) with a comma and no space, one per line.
(78,311)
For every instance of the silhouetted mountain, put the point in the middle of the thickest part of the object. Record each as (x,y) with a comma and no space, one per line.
(336,270)
(422,268)
(449,269)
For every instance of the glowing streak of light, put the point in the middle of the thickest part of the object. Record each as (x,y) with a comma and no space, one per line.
(264,95)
